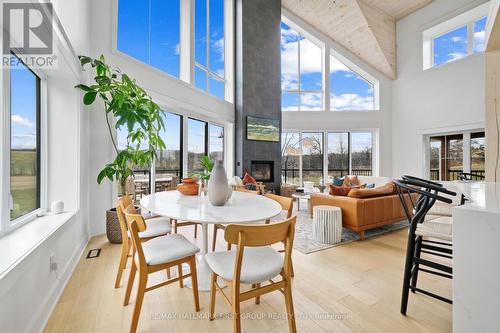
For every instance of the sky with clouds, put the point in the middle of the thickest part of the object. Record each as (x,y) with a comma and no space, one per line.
(453,45)
(23,108)
(348,90)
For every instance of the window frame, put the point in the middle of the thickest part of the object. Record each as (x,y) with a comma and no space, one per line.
(467,18)
(6,224)
(328,50)
(299,91)
(325,143)
(184,121)
(206,68)
(186,49)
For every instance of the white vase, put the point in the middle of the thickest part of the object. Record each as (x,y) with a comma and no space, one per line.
(217,185)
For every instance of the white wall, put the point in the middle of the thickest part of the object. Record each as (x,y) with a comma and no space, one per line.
(442,99)
(29,291)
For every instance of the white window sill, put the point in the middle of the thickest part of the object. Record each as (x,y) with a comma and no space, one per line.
(18,244)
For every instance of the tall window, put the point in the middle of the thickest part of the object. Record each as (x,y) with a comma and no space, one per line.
(209,46)
(477,154)
(301,72)
(290,157)
(361,153)
(349,90)
(24,141)
(197,144)
(338,154)
(446,157)
(216,142)
(149,30)
(168,162)
(312,157)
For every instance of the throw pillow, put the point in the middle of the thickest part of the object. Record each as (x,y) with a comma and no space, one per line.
(351,181)
(251,187)
(248,179)
(370,186)
(338,181)
(387,189)
(339,190)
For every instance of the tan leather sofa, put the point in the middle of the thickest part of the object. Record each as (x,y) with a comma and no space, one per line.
(380,208)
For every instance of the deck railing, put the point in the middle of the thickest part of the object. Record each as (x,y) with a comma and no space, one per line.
(294,173)
(453,174)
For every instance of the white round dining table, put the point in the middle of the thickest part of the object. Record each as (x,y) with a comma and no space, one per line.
(241,208)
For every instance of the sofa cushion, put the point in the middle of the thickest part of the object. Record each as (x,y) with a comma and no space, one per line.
(339,190)
(387,189)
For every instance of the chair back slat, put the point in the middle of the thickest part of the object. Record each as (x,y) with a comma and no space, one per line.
(122,204)
(136,224)
(259,235)
(285,203)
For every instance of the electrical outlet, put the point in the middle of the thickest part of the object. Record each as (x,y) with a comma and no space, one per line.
(53,263)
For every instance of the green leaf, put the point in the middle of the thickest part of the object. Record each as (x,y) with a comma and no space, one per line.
(89,97)
(83,87)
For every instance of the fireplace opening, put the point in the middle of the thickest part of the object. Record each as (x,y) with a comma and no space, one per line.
(262,171)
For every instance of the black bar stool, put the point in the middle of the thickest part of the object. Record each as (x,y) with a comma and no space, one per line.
(424,237)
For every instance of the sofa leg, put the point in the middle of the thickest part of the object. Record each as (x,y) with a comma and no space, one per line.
(362,235)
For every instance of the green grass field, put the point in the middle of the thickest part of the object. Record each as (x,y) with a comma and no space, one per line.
(23,182)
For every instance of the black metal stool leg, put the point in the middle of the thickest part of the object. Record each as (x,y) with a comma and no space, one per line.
(418,249)
(407,275)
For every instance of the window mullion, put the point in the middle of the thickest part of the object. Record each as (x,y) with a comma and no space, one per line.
(326,79)
(149,32)
(298,79)
(470,38)
(207,13)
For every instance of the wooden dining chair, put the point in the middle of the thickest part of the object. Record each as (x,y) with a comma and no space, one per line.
(156,226)
(254,262)
(286,204)
(160,253)
(218,227)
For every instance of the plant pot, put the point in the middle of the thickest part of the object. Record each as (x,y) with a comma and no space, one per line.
(113,232)
(188,186)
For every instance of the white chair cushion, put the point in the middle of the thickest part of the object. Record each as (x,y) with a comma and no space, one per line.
(441,228)
(156,226)
(259,264)
(164,249)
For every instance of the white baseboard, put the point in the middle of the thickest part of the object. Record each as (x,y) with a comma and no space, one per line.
(55,293)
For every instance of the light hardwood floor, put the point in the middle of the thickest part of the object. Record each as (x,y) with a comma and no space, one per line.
(350,288)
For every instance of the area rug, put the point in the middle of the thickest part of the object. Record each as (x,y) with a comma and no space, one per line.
(305,243)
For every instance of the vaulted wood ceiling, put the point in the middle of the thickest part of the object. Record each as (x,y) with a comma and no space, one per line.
(365,27)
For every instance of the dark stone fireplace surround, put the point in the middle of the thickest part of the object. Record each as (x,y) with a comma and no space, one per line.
(257,82)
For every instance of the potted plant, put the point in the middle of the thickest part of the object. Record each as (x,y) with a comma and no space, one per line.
(124,100)
(207,165)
